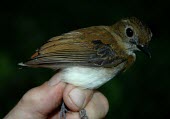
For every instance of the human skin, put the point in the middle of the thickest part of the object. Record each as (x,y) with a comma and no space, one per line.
(44,102)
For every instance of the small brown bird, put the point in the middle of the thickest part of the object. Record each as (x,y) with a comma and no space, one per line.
(89,57)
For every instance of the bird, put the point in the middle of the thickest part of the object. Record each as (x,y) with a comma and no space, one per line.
(90,57)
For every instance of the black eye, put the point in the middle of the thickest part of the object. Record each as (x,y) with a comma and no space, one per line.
(129,32)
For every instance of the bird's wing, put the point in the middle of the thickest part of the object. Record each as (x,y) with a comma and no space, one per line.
(87,46)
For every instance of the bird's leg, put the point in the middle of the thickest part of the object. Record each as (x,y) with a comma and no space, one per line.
(83,114)
(63,111)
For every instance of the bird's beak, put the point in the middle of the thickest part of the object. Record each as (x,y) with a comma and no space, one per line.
(144,49)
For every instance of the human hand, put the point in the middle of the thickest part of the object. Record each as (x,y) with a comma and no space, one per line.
(44,102)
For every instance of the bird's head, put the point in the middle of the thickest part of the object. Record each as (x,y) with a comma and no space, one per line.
(134,34)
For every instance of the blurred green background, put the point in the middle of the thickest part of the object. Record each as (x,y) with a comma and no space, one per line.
(141,92)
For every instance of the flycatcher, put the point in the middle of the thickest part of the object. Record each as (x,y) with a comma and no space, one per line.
(89,57)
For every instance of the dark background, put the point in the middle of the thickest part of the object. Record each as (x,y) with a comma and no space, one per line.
(141,92)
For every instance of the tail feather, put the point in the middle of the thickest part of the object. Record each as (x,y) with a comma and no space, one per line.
(22,64)
(51,66)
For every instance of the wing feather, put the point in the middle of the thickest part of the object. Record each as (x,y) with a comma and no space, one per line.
(88,46)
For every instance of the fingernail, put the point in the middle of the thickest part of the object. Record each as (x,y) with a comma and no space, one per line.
(54,80)
(78,97)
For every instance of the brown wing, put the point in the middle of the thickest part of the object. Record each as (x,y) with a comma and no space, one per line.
(87,46)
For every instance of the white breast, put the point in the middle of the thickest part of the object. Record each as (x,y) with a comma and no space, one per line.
(88,77)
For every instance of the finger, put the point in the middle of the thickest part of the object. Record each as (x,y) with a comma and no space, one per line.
(54,80)
(45,98)
(97,108)
(76,98)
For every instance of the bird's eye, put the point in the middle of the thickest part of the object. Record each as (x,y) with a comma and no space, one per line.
(129,32)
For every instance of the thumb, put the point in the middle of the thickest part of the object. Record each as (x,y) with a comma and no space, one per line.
(46,97)
(40,101)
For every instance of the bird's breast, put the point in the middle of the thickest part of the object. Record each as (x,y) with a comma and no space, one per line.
(89,77)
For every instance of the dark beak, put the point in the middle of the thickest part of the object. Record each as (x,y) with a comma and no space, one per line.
(144,49)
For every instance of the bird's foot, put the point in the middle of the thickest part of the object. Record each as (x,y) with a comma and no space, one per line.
(83,114)
(63,111)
